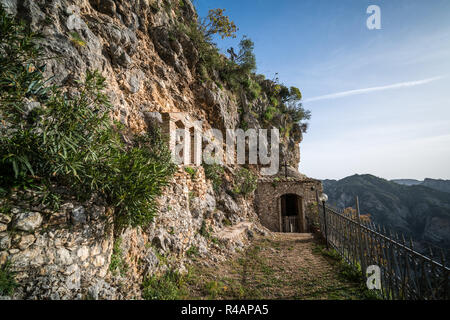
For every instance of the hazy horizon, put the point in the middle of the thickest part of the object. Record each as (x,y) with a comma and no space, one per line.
(379,98)
(379,177)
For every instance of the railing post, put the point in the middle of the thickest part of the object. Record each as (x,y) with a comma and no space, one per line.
(325,223)
(363,264)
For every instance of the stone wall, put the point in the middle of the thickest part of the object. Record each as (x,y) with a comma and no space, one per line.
(55,254)
(269,192)
(68,253)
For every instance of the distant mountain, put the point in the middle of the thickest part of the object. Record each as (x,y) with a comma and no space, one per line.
(436,184)
(407,182)
(441,185)
(417,211)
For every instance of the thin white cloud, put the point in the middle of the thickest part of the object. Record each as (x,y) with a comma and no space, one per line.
(373,89)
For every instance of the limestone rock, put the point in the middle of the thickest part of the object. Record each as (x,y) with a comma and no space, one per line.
(151,262)
(162,240)
(10,6)
(99,261)
(107,7)
(26,241)
(4,218)
(149,68)
(228,205)
(63,257)
(28,221)
(78,215)
(3,257)
(5,241)
(96,212)
(119,56)
(74,22)
(83,253)
(101,290)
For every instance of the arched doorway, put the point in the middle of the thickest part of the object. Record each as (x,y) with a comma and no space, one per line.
(291,213)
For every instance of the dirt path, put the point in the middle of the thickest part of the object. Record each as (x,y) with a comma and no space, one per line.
(280,266)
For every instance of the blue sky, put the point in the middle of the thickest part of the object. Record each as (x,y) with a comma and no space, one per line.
(380,99)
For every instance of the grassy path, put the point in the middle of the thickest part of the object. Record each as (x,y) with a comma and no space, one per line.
(281,266)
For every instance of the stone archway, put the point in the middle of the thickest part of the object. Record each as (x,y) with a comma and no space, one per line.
(291,213)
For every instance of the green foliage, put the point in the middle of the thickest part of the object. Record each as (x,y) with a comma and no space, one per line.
(191,171)
(218,23)
(51,138)
(214,289)
(269,114)
(204,231)
(245,182)
(214,172)
(77,40)
(226,222)
(252,88)
(167,6)
(291,105)
(246,58)
(237,73)
(5,209)
(7,280)
(117,262)
(192,251)
(170,286)
(137,178)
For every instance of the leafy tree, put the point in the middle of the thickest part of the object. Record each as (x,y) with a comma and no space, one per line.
(218,23)
(246,58)
(290,104)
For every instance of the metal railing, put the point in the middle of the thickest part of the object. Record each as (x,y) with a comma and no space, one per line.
(405,273)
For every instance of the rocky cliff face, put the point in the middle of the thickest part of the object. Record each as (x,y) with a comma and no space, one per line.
(74,252)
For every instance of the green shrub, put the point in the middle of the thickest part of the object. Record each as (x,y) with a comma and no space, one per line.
(51,138)
(245,182)
(226,222)
(254,90)
(7,281)
(204,231)
(137,178)
(214,172)
(77,40)
(274,102)
(269,114)
(214,289)
(237,73)
(192,251)
(170,286)
(117,262)
(191,171)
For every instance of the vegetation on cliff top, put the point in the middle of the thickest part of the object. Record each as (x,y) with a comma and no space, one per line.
(66,142)
(237,73)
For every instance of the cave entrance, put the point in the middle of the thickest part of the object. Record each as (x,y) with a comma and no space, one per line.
(291,213)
